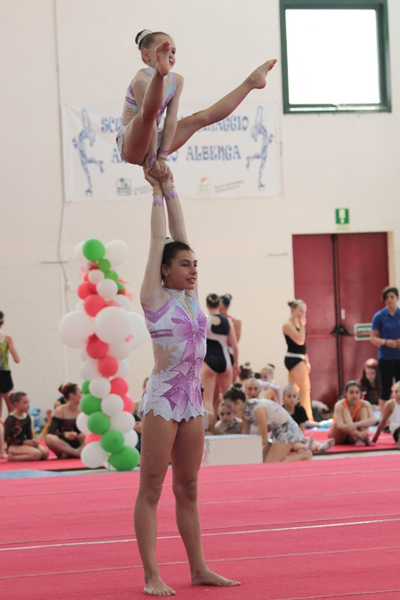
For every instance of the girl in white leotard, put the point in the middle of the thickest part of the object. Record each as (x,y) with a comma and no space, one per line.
(172,423)
(155,89)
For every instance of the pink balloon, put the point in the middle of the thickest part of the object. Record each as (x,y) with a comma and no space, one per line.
(119,386)
(129,404)
(96,348)
(85,289)
(93,304)
(92,437)
(108,366)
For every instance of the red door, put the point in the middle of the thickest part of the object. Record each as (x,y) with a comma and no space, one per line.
(340,277)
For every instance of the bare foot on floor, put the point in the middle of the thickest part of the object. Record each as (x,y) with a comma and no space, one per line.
(162,54)
(156,587)
(208,577)
(258,77)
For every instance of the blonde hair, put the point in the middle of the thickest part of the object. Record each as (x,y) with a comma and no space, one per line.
(289,387)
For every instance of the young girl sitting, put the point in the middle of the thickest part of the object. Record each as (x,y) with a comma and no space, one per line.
(227,422)
(352,417)
(64,437)
(299,415)
(155,89)
(18,432)
(286,435)
(391,414)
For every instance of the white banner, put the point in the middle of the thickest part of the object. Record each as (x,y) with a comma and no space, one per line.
(239,157)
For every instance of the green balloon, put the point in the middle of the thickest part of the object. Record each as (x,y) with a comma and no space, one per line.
(98,423)
(93,250)
(125,460)
(90,404)
(85,387)
(111,275)
(112,441)
(121,287)
(104,265)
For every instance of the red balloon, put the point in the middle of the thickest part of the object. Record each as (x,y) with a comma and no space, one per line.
(108,366)
(93,304)
(129,404)
(85,289)
(119,386)
(92,437)
(96,348)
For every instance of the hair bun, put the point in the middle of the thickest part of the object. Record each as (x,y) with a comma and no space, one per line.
(140,37)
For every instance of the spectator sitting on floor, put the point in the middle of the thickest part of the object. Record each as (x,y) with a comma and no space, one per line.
(236,399)
(369,380)
(18,432)
(391,414)
(64,437)
(299,415)
(352,417)
(270,389)
(227,422)
(286,435)
(245,371)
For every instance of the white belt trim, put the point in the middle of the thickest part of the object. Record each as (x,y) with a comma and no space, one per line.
(294,355)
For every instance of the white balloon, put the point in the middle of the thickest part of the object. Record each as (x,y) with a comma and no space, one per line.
(131,438)
(107,289)
(93,455)
(123,369)
(78,251)
(138,330)
(89,369)
(117,252)
(112,405)
(119,351)
(122,301)
(100,387)
(112,324)
(84,355)
(75,328)
(123,422)
(95,276)
(81,423)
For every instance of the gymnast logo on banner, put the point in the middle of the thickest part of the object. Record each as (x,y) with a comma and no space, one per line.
(239,157)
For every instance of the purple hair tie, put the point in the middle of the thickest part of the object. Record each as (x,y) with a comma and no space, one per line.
(164,153)
(151,159)
(170,194)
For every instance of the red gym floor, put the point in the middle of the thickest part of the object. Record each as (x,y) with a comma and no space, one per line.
(318,529)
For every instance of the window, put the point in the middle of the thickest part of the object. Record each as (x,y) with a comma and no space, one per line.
(335,55)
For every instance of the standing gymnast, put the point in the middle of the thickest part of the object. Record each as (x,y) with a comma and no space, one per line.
(156,88)
(172,407)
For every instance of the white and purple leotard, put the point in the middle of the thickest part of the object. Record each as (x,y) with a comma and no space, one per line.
(179,345)
(131,109)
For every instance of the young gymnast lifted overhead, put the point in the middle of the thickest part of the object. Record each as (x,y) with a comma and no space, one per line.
(154,89)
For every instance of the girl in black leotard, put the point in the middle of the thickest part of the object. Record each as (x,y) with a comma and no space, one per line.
(64,438)
(217,370)
(296,360)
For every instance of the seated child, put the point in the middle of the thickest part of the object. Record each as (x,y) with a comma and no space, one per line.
(266,414)
(352,417)
(64,437)
(391,414)
(298,414)
(270,389)
(18,432)
(227,422)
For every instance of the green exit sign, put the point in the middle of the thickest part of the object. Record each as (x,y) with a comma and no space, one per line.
(342,216)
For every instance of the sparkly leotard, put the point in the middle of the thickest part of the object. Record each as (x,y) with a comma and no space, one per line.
(179,345)
(131,109)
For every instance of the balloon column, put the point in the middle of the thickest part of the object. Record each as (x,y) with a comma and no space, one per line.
(105,329)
